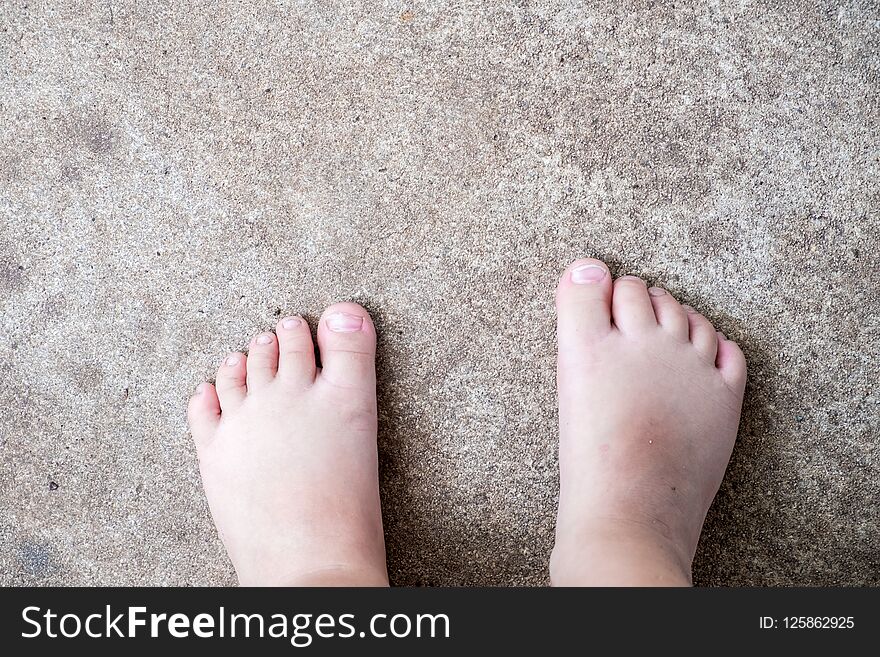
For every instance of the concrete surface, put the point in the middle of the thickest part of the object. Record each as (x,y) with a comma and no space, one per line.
(174,178)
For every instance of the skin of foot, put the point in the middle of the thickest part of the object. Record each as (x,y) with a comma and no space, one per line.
(288,457)
(649,405)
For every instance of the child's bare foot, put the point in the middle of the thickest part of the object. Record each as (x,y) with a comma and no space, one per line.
(288,454)
(649,405)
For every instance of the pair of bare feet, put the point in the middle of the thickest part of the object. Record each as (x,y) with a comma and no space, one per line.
(649,404)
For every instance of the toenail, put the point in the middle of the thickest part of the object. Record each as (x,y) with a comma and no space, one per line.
(656,291)
(588,274)
(200,388)
(291,322)
(689,309)
(345,323)
(232,361)
(264,338)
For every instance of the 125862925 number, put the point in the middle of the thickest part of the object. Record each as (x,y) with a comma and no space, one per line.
(818,622)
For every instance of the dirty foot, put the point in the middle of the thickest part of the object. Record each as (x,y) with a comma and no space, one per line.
(649,404)
(288,455)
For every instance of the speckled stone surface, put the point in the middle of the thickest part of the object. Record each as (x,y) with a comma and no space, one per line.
(175,178)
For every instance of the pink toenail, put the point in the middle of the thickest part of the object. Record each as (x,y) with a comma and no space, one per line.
(291,322)
(588,274)
(689,309)
(232,361)
(345,323)
(265,338)
(656,291)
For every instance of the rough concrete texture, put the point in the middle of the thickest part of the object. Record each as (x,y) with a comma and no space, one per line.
(175,176)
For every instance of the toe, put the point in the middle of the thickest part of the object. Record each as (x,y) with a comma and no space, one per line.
(347,340)
(732,363)
(203,413)
(231,382)
(262,361)
(669,313)
(583,303)
(702,334)
(296,360)
(631,307)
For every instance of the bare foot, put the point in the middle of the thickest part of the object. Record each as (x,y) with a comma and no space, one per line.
(649,404)
(288,454)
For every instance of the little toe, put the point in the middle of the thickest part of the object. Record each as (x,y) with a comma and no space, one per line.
(347,339)
(732,362)
(231,381)
(702,334)
(631,307)
(262,361)
(203,413)
(669,313)
(583,303)
(296,360)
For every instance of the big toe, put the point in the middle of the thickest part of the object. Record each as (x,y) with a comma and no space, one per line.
(347,340)
(583,303)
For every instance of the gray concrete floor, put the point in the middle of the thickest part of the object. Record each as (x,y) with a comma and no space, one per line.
(174,178)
